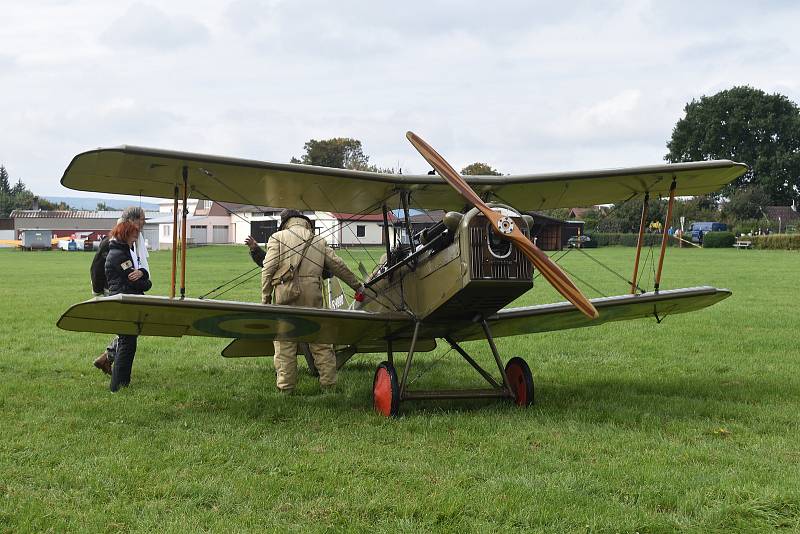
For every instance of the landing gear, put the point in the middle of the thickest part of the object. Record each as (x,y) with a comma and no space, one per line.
(521,381)
(516,383)
(312,368)
(386,390)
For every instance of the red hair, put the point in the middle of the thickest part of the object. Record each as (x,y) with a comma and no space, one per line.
(125,231)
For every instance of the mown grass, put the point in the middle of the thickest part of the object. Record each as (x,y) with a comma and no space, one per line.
(687,425)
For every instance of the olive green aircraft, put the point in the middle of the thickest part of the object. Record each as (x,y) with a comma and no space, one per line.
(451,282)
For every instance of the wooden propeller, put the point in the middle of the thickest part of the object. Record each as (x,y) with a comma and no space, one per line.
(505,227)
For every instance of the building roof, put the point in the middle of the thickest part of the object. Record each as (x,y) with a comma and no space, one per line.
(65,214)
(786,213)
(72,214)
(539,218)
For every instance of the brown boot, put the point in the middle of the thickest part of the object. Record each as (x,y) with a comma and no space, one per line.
(103,363)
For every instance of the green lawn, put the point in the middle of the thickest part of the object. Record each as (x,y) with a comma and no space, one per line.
(687,425)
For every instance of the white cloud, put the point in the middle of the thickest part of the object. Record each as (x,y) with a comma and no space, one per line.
(146,26)
(525,86)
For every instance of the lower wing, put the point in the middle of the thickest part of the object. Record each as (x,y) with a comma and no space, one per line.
(564,316)
(252,325)
(161,316)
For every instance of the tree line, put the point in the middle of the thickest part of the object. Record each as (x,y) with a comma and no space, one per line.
(19,197)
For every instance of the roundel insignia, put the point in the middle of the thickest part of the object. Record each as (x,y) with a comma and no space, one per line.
(256,325)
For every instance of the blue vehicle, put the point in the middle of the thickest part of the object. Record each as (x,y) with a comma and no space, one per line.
(698,229)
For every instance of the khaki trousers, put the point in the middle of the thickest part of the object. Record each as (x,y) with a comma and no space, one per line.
(286,364)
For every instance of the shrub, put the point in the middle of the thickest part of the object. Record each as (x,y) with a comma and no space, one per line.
(752,226)
(777,241)
(718,239)
(605,239)
(629,240)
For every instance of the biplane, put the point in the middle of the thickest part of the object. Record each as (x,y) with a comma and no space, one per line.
(451,282)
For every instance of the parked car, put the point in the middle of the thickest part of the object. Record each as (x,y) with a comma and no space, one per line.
(578,241)
(699,228)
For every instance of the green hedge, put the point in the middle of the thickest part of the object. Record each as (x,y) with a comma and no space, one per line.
(629,240)
(776,241)
(718,239)
(710,240)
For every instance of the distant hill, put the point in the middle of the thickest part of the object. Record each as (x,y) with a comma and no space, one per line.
(88,203)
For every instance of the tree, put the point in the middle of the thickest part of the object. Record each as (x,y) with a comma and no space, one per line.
(626,216)
(747,125)
(480,169)
(102,206)
(339,152)
(5,185)
(52,206)
(19,188)
(746,204)
(20,197)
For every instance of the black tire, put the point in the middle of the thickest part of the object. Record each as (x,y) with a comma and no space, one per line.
(386,390)
(521,380)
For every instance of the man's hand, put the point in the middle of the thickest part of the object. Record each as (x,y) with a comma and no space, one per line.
(250,242)
(135,275)
(359,293)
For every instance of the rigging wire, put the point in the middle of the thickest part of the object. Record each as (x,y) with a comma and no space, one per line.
(298,248)
(584,282)
(433,364)
(609,269)
(348,227)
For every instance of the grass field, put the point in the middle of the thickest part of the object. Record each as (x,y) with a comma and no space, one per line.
(687,425)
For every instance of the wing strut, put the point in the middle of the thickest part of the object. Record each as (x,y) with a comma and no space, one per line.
(664,234)
(639,243)
(174,242)
(185,213)
(386,233)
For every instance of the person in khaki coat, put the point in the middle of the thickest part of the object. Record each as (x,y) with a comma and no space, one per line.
(284,251)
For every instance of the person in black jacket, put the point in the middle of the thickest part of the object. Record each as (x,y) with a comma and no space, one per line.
(256,252)
(134,214)
(123,275)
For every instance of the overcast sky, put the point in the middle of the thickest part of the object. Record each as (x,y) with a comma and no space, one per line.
(526,86)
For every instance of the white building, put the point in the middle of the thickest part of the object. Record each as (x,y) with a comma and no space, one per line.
(357,229)
(208,222)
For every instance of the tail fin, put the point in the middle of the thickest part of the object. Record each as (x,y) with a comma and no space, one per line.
(336,297)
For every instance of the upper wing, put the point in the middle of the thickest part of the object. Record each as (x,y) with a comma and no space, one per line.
(155,173)
(563,315)
(162,316)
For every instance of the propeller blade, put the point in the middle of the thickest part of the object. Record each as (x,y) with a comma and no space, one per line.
(505,227)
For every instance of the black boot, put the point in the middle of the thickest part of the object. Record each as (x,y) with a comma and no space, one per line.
(123,362)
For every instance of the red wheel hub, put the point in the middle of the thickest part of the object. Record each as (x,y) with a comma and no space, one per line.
(516,378)
(382,392)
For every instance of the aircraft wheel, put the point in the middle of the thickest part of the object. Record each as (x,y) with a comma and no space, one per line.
(521,380)
(386,390)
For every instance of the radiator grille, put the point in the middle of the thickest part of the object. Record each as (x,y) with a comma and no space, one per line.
(485,265)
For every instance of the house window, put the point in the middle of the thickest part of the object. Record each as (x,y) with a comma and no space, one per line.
(361,230)
(166,230)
